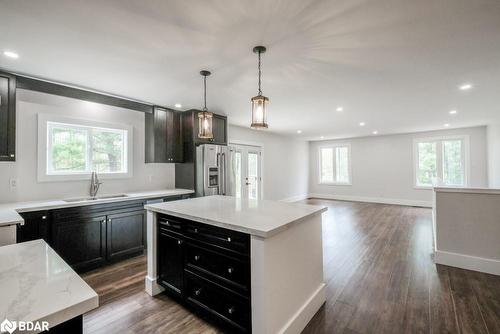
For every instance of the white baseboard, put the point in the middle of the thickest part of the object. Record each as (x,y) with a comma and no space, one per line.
(152,286)
(382,200)
(489,266)
(302,317)
(295,198)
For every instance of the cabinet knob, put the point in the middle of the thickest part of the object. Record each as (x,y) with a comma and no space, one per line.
(228,239)
(198,292)
(12,155)
(231,310)
(109,220)
(195,230)
(196,257)
(167,223)
(179,242)
(44,217)
(230,270)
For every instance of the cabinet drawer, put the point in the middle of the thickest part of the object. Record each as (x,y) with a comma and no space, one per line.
(225,305)
(232,240)
(169,224)
(227,270)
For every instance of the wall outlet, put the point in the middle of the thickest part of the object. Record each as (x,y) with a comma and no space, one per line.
(13,183)
(150,178)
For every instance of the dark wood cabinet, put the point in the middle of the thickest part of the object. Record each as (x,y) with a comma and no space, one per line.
(208,268)
(81,242)
(163,136)
(7,117)
(170,261)
(35,226)
(125,234)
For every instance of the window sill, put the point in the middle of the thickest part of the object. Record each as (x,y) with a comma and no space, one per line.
(335,183)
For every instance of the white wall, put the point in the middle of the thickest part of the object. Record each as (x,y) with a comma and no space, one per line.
(382,167)
(493,132)
(285,162)
(29,104)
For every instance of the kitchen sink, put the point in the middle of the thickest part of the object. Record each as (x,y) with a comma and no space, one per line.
(85,199)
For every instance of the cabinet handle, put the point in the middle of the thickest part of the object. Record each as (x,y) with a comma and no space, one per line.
(230,270)
(196,257)
(228,239)
(109,220)
(167,223)
(44,217)
(195,230)
(198,292)
(179,242)
(231,310)
(12,155)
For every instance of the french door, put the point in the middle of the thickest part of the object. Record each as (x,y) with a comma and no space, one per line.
(246,171)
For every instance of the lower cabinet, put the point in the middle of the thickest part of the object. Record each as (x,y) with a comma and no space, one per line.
(81,242)
(208,268)
(125,234)
(36,225)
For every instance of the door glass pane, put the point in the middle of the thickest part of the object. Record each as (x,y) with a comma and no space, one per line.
(326,168)
(427,163)
(453,169)
(342,158)
(237,174)
(253,175)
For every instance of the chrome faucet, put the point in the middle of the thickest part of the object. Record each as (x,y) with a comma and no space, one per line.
(94,185)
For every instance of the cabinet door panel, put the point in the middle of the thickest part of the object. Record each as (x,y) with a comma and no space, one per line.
(7,117)
(170,261)
(125,234)
(219,129)
(81,242)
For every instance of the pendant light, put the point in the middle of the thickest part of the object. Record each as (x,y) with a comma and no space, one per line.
(259,102)
(205,117)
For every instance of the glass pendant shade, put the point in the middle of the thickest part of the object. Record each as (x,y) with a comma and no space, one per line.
(259,112)
(205,125)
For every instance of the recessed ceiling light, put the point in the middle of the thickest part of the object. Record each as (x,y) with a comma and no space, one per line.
(299,131)
(465,86)
(446,125)
(375,132)
(340,109)
(452,112)
(362,124)
(178,105)
(322,137)
(10,54)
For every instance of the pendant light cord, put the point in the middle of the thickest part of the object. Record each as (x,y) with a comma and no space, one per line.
(260,72)
(205,92)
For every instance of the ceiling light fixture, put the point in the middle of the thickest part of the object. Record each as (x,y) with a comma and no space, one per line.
(340,109)
(259,102)
(453,112)
(362,124)
(446,125)
(375,132)
(465,86)
(322,137)
(178,105)
(299,131)
(205,117)
(10,54)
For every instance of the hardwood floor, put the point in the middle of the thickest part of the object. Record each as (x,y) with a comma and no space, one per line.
(379,273)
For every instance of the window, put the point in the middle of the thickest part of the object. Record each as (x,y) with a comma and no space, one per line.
(334,164)
(441,161)
(73,149)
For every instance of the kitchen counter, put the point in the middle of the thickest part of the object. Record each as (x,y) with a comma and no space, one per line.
(9,213)
(259,218)
(37,285)
(281,243)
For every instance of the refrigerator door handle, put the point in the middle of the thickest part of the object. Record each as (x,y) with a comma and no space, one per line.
(223,162)
(217,158)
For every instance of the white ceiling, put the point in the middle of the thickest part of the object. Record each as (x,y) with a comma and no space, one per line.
(393,64)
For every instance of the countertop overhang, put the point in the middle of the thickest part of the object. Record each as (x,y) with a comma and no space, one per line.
(262,218)
(37,285)
(9,213)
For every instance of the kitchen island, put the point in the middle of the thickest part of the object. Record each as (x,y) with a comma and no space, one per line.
(250,265)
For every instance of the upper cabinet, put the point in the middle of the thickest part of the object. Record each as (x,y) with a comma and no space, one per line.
(7,117)
(163,136)
(219,129)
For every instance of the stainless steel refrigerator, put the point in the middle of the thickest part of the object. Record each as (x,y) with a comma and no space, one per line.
(213,166)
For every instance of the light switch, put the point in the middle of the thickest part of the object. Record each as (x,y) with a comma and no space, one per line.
(13,183)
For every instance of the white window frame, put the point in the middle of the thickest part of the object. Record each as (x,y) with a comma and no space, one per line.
(349,164)
(43,174)
(439,157)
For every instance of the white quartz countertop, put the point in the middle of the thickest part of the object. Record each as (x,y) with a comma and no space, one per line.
(37,285)
(9,211)
(261,218)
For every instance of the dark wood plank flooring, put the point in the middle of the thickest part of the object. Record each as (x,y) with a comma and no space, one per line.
(379,273)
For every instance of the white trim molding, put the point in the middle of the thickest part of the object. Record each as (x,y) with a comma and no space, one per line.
(489,266)
(381,200)
(295,198)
